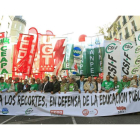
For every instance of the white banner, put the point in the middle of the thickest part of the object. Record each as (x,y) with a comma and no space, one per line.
(112,60)
(127,56)
(71,103)
(5,56)
(137,35)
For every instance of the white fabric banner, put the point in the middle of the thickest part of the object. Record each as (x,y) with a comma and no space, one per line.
(127,56)
(71,103)
(112,60)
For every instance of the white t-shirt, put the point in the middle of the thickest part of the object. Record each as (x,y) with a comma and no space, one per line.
(99,86)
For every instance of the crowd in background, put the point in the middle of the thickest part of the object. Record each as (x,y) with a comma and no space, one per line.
(68,84)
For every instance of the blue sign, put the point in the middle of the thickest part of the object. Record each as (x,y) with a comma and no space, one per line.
(5,111)
(77,51)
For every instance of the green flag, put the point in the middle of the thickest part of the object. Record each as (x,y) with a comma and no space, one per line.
(68,59)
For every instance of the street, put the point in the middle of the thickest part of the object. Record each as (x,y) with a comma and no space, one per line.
(133,118)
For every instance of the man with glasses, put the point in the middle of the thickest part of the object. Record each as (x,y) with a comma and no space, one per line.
(134,82)
(3,85)
(56,85)
(26,87)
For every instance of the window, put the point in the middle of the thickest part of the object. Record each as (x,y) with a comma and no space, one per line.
(110,35)
(6,33)
(15,26)
(134,28)
(119,25)
(120,36)
(126,33)
(1,17)
(8,24)
(124,20)
(0,24)
(20,27)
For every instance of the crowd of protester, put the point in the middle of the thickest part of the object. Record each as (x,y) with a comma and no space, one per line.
(68,85)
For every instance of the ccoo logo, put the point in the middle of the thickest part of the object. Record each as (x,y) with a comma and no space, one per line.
(137,50)
(111,47)
(134,71)
(29,111)
(127,46)
(77,51)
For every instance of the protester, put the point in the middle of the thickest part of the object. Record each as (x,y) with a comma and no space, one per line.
(72,85)
(39,85)
(134,82)
(34,86)
(3,85)
(125,82)
(117,85)
(63,85)
(107,85)
(18,86)
(90,86)
(81,83)
(56,85)
(6,81)
(11,87)
(98,84)
(26,87)
(47,85)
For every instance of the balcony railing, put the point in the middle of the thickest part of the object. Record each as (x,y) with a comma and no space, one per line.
(127,36)
(124,22)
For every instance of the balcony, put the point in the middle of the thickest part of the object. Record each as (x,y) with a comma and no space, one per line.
(127,36)
(124,22)
(130,17)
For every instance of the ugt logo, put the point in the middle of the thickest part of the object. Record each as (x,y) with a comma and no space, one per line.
(137,50)
(127,46)
(134,71)
(77,51)
(111,47)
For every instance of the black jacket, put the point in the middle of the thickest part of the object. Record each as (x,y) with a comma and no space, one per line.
(19,87)
(78,83)
(56,86)
(48,87)
(27,88)
(97,86)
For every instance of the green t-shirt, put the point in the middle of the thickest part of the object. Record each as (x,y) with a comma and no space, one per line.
(107,85)
(118,86)
(63,87)
(16,89)
(71,87)
(34,87)
(9,85)
(3,86)
(125,84)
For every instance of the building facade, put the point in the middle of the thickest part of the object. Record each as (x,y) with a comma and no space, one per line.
(5,24)
(18,26)
(127,25)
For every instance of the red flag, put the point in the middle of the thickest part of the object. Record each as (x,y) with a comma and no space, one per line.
(32,31)
(59,48)
(46,54)
(2,35)
(19,75)
(24,48)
